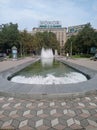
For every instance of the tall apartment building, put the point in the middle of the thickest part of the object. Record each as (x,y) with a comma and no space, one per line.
(55,27)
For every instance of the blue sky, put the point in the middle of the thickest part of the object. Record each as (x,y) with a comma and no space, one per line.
(28,13)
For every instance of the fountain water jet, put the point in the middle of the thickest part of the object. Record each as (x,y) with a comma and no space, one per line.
(47,53)
(47,57)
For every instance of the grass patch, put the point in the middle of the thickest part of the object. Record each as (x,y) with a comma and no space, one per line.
(82,56)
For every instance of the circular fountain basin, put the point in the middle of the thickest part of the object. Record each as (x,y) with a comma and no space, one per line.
(47,90)
(48,71)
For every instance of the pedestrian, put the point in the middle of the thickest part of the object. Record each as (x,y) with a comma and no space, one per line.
(67,55)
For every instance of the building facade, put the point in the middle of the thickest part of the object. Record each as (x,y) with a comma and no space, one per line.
(55,27)
(74,30)
(1,26)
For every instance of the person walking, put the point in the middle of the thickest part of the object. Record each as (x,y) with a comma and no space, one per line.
(67,55)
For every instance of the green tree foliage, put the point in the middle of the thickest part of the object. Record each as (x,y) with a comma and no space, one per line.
(9,36)
(46,40)
(24,41)
(82,42)
(38,41)
(71,43)
(53,43)
(87,38)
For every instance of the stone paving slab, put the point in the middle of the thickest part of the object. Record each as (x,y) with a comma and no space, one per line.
(49,114)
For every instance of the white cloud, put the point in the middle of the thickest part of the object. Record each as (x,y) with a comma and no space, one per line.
(27,13)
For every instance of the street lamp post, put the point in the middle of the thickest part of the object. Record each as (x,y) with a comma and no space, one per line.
(21,49)
(71,49)
(61,47)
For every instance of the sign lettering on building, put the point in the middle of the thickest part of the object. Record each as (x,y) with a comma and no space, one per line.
(50,24)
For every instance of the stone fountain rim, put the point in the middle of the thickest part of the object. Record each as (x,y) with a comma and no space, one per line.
(48,91)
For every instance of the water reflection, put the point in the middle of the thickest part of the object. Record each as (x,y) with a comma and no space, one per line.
(47,62)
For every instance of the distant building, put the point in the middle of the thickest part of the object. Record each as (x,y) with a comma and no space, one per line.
(95,30)
(1,26)
(73,30)
(55,27)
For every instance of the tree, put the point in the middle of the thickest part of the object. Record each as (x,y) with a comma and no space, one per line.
(53,42)
(9,36)
(46,40)
(26,42)
(38,42)
(71,42)
(83,41)
(87,38)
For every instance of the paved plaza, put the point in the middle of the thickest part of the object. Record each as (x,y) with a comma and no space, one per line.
(7,64)
(85,62)
(78,113)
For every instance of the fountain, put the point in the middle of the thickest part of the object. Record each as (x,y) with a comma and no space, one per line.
(48,71)
(47,57)
(47,53)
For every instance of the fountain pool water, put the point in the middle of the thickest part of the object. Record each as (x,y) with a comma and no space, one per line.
(48,71)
